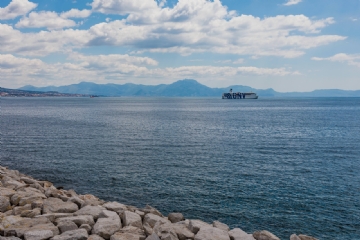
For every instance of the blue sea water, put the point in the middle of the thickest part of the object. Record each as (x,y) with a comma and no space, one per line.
(284,165)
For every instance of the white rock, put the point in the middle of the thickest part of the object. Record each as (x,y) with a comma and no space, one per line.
(105,227)
(108,214)
(221,226)
(87,227)
(6,192)
(115,206)
(294,237)
(4,204)
(195,225)
(95,237)
(151,219)
(38,235)
(66,226)
(305,237)
(94,211)
(55,205)
(78,220)
(153,237)
(131,219)
(175,217)
(79,234)
(238,234)
(211,233)
(265,235)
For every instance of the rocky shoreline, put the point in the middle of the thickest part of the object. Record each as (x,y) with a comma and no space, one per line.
(36,210)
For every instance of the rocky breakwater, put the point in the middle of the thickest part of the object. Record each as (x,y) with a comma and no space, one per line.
(36,210)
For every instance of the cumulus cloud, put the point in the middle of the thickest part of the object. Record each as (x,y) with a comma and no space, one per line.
(200,26)
(49,20)
(16,8)
(351,59)
(76,13)
(292,2)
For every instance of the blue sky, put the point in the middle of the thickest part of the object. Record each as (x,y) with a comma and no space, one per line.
(288,45)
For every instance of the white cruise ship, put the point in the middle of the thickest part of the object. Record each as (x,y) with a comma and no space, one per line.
(239,95)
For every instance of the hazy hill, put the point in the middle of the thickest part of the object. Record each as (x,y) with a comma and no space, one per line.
(181,88)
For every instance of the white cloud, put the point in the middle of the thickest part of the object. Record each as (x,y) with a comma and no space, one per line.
(292,2)
(76,13)
(123,7)
(114,68)
(239,61)
(50,20)
(351,59)
(16,8)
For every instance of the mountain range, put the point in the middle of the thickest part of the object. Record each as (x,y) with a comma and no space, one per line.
(181,88)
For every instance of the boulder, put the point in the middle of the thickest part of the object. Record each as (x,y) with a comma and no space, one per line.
(26,196)
(140,213)
(53,216)
(149,209)
(78,234)
(37,204)
(151,219)
(105,227)
(95,237)
(18,226)
(28,180)
(78,220)
(238,234)
(19,210)
(4,204)
(115,206)
(38,235)
(153,237)
(221,226)
(195,225)
(66,226)
(294,237)
(31,213)
(305,237)
(175,217)
(9,238)
(77,201)
(169,236)
(108,214)
(12,184)
(129,233)
(94,211)
(6,192)
(87,227)
(211,233)
(90,200)
(131,219)
(264,235)
(55,205)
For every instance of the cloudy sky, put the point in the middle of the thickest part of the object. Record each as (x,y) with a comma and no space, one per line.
(288,45)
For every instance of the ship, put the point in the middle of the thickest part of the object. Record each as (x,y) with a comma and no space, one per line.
(239,95)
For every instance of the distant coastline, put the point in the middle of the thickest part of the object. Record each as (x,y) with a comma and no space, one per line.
(181,88)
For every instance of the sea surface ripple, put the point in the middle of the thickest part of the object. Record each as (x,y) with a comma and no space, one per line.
(284,165)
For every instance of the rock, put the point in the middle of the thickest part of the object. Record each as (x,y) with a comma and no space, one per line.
(304,237)
(149,209)
(94,211)
(95,237)
(183,232)
(148,229)
(19,210)
(129,233)
(31,213)
(108,214)
(264,235)
(115,206)
(38,235)
(131,219)
(28,180)
(211,233)
(169,236)
(6,192)
(78,220)
(37,204)
(18,226)
(26,196)
(175,217)
(53,216)
(67,226)
(77,201)
(151,219)
(55,205)
(294,237)
(4,204)
(87,227)
(195,225)
(78,234)
(238,234)
(153,237)
(105,227)
(9,238)
(13,184)
(221,226)
(90,200)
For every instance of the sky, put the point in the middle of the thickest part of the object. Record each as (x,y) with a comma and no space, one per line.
(287,45)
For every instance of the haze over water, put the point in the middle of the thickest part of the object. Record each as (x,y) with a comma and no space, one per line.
(284,165)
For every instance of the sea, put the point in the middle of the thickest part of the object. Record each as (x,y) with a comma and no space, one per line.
(286,165)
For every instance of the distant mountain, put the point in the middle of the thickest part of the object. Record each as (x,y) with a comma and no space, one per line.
(181,88)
